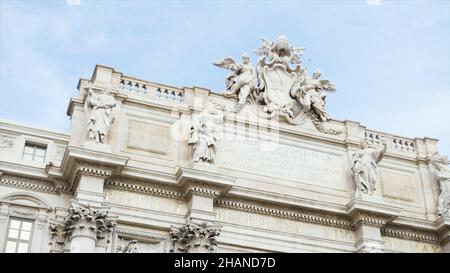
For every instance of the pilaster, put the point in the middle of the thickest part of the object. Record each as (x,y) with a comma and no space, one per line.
(369,216)
(201,185)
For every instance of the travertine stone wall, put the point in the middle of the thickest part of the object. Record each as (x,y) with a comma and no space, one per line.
(273,186)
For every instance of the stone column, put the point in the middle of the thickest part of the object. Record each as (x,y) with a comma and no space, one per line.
(85,225)
(4,214)
(368,218)
(201,186)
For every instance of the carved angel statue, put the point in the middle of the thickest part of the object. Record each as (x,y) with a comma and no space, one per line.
(102,108)
(442,172)
(365,168)
(205,132)
(311,94)
(241,82)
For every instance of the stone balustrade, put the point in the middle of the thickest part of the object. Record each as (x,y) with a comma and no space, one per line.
(392,142)
(130,85)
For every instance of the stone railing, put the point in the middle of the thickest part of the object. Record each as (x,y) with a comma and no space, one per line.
(134,86)
(392,142)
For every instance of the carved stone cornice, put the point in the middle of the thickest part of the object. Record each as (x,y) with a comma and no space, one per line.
(283,212)
(195,238)
(410,234)
(203,182)
(371,212)
(33,184)
(79,161)
(135,186)
(202,189)
(443,229)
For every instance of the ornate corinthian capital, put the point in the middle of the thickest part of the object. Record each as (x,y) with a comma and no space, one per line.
(88,221)
(195,238)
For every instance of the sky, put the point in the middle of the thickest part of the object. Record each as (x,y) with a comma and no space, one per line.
(390,60)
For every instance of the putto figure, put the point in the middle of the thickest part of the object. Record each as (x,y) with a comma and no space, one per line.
(279,88)
(241,82)
(205,133)
(102,114)
(442,172)
(311,95)
(365,168)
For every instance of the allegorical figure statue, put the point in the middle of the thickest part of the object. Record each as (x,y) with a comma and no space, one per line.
(205,133)
(241,82)
(311,95)
(101,107)
(365,168)
(442,172)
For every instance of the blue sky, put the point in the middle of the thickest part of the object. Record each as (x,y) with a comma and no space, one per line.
(389,59)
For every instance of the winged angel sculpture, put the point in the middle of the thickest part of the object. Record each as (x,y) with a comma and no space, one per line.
(280,84)
(241,82)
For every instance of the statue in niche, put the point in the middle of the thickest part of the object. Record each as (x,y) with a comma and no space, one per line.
(442,172)
(241,82)
(365,168)
(311,95)
(101,111)
(205,133)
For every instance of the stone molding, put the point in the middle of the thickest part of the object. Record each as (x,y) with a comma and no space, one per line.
(129,185)
(33,184)
(203,182)
(79,161)
(443,229)
(367,212)
(194,238)
(410,234)
(295,214)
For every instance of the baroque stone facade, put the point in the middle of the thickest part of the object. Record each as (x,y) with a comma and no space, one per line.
(261,167)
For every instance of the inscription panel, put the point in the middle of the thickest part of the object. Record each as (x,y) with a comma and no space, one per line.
(283,225)
(148,137)
(398,185)
(143,201)
(400,245)
(282,161)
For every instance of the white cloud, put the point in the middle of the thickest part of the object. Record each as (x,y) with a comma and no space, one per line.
(73,2)
(373,2)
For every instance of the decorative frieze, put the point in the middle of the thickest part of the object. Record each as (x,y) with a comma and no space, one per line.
(129,185)
(410,234)
(194,238)
(328,220)
(33,184)
(7,142)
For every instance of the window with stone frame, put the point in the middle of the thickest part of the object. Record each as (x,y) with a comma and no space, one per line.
(18,235)
(34,152)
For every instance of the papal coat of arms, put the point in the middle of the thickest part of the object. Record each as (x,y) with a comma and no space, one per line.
(279,85)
